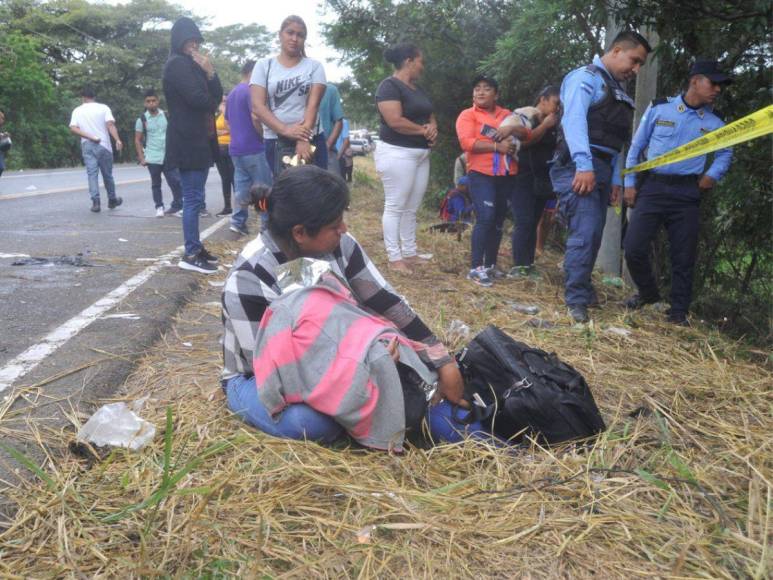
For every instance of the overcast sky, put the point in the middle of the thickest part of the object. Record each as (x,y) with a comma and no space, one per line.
(270,14)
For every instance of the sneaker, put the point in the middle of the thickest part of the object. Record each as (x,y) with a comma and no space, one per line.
(114,203)
(197,263)
(495,273)
(210,258)
(174,211)
(524,272)
(480,277)
(160,211)
(636,302)
(204,214)
(241,230)
(224,212)
(95,207)
(579,313)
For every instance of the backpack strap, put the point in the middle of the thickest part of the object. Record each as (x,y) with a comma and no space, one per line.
(144,122)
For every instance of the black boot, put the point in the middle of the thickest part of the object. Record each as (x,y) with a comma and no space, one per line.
(95,206)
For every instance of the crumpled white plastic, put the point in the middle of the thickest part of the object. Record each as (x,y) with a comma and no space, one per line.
(116,425)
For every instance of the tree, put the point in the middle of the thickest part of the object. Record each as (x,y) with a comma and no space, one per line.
(119,50)
(28,97)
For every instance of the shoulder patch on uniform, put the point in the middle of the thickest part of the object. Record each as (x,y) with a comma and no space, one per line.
(660,101)
(665,123)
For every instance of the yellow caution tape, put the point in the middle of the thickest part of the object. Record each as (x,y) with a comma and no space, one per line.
(750,127)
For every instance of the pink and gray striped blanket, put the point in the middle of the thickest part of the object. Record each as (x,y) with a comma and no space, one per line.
(316,345)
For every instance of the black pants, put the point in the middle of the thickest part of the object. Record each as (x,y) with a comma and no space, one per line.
(225,167)
(346,170)
(527,211)
(172,180)
(677,207)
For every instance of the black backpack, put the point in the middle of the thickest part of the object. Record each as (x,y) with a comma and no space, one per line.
(518,390)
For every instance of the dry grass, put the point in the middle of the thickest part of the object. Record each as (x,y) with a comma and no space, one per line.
(682,490)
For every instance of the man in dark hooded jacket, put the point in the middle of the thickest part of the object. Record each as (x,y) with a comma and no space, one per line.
(193,93)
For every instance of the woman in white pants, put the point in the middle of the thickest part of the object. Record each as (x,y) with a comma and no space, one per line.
(408,130)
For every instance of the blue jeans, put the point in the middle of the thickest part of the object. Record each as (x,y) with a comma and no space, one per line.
(295,422)
(172,180)
(248,171)
(527,210)
(489,196)
(320,154)
(193,181)
(98,160)
(300,421)
(585,216)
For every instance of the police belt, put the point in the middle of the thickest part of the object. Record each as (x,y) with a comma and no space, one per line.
(691,179)
(603,155)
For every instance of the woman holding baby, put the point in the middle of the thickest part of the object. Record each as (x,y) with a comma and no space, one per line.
(491,167)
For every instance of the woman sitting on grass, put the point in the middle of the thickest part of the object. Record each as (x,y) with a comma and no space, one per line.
(306,219)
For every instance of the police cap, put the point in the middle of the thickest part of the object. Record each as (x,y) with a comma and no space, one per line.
(710,69)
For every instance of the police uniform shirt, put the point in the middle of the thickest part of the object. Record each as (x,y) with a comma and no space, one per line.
(581,89)
(667,124)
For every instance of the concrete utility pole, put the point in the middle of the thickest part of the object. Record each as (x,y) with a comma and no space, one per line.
(610,258)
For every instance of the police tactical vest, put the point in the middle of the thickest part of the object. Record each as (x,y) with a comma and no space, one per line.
(610,121)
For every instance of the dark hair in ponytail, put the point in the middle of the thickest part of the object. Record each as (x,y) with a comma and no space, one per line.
(398,54)
(305,195)
(547,92)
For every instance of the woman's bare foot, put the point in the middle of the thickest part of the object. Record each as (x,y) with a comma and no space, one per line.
(400,266)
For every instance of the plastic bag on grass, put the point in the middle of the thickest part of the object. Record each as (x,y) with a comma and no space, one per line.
(117,426)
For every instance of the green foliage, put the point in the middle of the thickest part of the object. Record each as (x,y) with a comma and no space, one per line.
(120,50)
(28,98)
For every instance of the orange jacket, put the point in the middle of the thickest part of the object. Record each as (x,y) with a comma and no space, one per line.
(468,127)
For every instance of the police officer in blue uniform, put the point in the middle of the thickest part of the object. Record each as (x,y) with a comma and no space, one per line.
(671,194)
(596,124)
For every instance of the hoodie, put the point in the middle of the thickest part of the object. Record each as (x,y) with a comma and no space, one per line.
(191,101)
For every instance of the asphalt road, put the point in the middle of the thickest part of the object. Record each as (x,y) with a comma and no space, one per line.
(45,214)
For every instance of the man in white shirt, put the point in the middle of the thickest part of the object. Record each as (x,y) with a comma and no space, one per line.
(94,123)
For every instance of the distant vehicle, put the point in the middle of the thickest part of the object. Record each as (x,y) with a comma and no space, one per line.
(359,146)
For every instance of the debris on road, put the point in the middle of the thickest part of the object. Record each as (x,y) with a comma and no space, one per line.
(76,260)
(524,308)
(116,425)
(123,316)
(624,332)
(614,281)
(540,323)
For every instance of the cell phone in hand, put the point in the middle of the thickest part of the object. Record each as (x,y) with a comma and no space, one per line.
(488,131)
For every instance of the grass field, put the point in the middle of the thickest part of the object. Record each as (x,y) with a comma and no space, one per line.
(682,489)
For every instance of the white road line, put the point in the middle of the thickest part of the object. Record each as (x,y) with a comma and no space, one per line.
(34,355)
(48,174)
(81,170)
(24,194)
